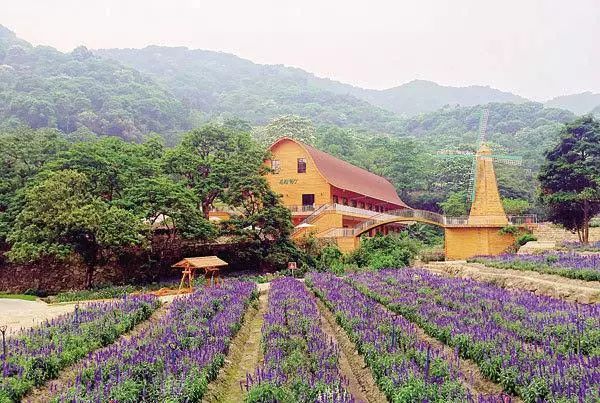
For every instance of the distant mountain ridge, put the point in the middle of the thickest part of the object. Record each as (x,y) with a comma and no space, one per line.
(132,92)
(580,104)
(209,68)
(43,87)
(421,96)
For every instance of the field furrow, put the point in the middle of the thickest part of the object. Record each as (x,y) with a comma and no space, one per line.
(301,363)
(244,357)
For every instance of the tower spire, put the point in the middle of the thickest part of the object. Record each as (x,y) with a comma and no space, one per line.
(486,207)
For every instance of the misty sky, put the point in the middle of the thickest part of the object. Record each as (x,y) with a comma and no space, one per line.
(535,48)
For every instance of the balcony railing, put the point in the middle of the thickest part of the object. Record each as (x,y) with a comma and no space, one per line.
(337,233)
(304,208)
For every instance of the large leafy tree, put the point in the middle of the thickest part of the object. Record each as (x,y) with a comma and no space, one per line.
(264,225)
(23,153)
(209,158)
(168,205)
(62,216)
(570,177)
(110,163)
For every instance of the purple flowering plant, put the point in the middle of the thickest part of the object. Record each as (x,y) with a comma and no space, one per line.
(540,348)
(172,360)
(38,354)
(300,361)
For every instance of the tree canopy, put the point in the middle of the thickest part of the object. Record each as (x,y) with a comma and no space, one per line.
(570,177)
(94,198)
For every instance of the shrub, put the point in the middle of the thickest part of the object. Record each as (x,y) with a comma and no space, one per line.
(523,239)
(380,251)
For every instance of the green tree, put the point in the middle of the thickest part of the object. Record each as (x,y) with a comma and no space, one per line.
(264,225)
(381,251)
(23,153)
(293,126)
(570,177)
(169,205)
(61,216)
(516,206)
(209,158)
(455,205)
(110,163)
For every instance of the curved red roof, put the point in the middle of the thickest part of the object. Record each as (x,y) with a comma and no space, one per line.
(344,175)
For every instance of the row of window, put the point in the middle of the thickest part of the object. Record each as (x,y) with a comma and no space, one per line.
(301,166)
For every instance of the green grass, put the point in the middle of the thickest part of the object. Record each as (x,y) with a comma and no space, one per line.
(18,296)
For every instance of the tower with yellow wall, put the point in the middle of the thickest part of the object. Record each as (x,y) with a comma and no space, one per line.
(482,234)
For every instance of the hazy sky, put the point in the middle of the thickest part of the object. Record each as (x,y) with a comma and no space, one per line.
(536,48)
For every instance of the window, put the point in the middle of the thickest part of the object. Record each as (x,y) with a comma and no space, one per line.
(344,201)
(308,199)
(301,165)
(335,200)
(276,166)
(353,203)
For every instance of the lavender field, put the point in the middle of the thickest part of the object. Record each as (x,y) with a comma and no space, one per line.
(300,362)
(37,355)
(538,348)
(420,337)
(570,265)
(174,360)
(405,368)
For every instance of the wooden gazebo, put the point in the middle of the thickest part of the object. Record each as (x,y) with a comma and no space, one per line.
(210,264)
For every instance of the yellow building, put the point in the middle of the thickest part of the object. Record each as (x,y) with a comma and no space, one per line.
(327,196)
(333,199)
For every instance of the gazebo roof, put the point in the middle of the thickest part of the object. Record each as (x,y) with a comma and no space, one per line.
(200,262)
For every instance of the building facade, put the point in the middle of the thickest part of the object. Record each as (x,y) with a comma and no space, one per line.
(328,196)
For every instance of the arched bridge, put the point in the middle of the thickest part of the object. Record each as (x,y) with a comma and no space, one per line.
(422,216)
(403,215)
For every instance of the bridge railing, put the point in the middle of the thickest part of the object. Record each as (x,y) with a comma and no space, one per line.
(442,220)
(337,233)
(404,213)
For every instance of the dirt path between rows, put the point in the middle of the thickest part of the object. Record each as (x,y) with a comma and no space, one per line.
(245,354)
(361,384)
(67,376)
(585,292)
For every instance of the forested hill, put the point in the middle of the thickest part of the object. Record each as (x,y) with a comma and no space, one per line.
(580,104)
(224,85)
(42,87)
(132,92)
(216,82)
(420,96)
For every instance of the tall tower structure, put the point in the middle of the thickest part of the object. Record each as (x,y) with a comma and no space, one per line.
(486,208)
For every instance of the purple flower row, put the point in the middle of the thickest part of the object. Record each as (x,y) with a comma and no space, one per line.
(38,354)
(172,360)
(300,361)
(576,245)
(406,368)
(538,347)
(571,265)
